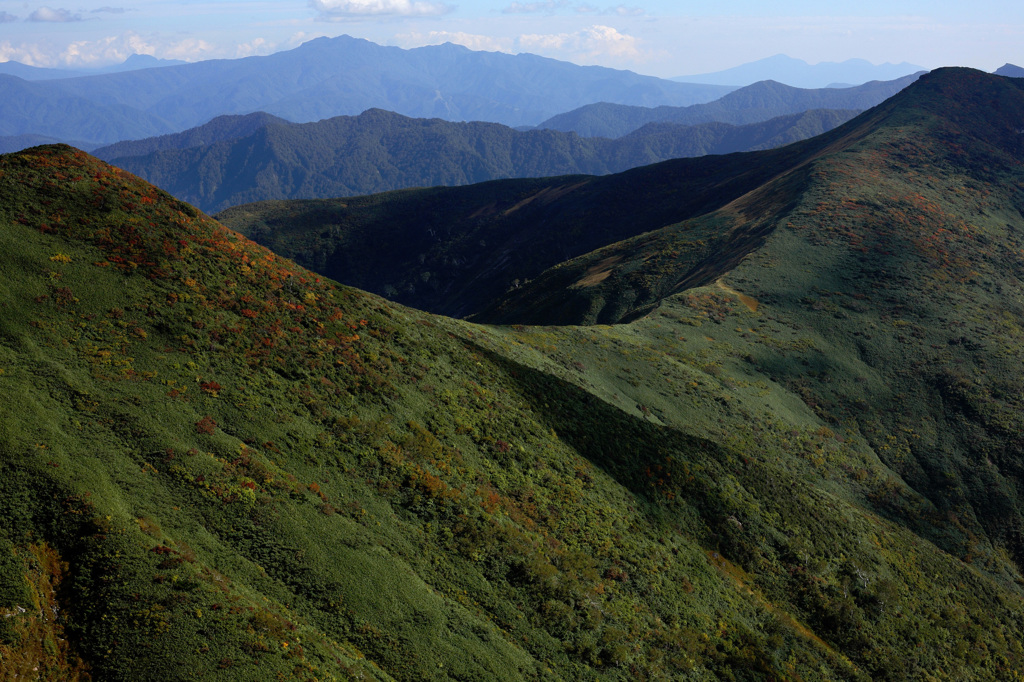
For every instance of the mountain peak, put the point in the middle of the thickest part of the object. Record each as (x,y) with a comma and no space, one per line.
(1010,70)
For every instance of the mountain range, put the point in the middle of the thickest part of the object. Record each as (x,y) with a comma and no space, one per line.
(800,74)
(795,455)
(323,78)
(238,159)
(752,103)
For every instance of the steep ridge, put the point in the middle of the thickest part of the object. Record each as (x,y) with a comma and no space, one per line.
(258,159)
(622,281)
(216,463)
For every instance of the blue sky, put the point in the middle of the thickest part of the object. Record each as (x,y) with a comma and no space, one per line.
(654,37)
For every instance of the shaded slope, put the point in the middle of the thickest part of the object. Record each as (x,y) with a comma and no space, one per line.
(247,471)
(757,102)
(463,251)
(456,250)
(379,151)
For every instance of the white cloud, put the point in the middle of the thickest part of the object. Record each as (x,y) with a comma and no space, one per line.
(296,39)
(532,7)
(189,50)
(624,11)
(339,9)
(552,6)
(592,42)
(49,14)
(470,40)
(6,18)
(110,10)
(257,46)
(31,55)
(109,50)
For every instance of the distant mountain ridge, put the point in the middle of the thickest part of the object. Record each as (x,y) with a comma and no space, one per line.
(240,159)
(329,77)
(800,74)
(15,143)
(1010,70)
(757,102)
(42,108)
(37,73)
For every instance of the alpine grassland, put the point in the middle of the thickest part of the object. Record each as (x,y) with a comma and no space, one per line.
(795,455)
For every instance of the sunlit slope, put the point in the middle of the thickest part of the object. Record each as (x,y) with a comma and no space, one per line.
(887,297)
(217,464)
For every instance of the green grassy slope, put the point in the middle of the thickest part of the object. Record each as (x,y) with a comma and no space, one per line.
(877,294)
(218,465)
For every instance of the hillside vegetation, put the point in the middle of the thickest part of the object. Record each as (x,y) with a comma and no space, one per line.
(263,158)
(219,464)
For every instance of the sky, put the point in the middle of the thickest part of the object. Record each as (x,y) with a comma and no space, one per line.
(654,37)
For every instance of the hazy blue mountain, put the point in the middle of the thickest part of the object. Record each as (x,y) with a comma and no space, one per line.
(757,102)
(36,73)
(15,143)
(141,61)
(800,74)
(329,77)
(1011,70)
(48,109)
(259,157)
